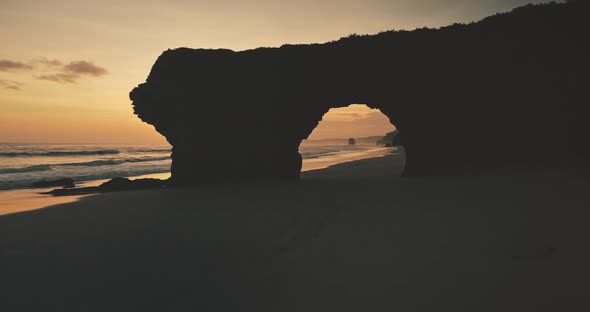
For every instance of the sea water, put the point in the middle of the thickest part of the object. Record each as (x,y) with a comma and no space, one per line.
(23,164)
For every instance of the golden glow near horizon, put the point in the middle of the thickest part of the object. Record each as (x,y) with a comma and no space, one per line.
(67,66)
(354,121)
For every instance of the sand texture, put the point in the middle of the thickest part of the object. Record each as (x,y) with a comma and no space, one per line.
(331,242)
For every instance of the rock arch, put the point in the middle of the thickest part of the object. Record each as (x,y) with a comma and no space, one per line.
(489,89)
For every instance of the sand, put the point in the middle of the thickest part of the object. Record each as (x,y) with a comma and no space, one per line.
(351,237)
(19,200)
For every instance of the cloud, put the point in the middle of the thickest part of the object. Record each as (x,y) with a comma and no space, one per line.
(84,68)
(52,70)
(11,84)
(343,116)
(60,77)
(71,72)
(8,65)
(47,62)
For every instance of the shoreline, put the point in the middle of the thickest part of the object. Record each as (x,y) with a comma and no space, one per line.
(19,200)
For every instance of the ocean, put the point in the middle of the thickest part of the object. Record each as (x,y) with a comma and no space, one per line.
(23,164)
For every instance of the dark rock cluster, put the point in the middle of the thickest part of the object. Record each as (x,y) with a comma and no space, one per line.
(508,91)
(113,185)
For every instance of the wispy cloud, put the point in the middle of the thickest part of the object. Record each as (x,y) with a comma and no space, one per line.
(71,72)
(10,84)
(47,62)
(84,68)
(51,70)
(60,77)
(8,65)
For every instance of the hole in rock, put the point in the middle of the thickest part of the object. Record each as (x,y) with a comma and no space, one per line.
(352,133)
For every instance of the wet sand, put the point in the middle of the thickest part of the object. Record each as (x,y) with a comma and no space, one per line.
(13,201)
(351,237)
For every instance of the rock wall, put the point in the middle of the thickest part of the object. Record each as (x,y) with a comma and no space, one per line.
(499,91)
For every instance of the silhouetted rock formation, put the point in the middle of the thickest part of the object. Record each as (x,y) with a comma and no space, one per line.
(390,139)
(351,141)
(113,185)
(501,88)
(124,184)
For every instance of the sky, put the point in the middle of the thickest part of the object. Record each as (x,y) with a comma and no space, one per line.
(354,121)
(67,66)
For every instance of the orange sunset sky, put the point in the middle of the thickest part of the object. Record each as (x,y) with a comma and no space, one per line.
(66,67)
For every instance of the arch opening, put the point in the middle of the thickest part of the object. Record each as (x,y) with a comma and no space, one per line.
(352,133)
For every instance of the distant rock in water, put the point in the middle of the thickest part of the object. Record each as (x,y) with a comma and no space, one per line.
(491,88)
(370,140)
(65,182)
(351,141)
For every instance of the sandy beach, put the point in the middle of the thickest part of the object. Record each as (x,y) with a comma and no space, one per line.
(330,242)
